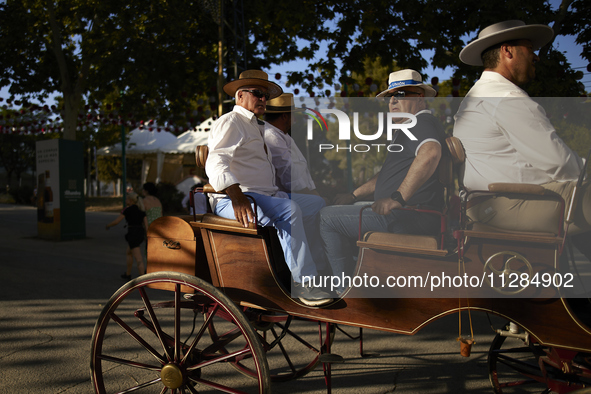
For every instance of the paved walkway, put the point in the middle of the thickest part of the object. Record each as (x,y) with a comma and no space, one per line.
(51,294)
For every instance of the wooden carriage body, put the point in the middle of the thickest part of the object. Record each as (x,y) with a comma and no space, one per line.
(247,265)
(215,267)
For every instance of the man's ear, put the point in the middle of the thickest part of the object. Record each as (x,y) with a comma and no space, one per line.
(506,51)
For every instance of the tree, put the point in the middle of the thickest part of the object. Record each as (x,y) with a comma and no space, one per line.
(153,57)
(146,51)
(17,147)
(17,154)
(398,30)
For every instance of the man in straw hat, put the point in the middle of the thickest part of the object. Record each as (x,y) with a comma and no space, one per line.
(291,169)
(407,178)
(508,138)
(239,164)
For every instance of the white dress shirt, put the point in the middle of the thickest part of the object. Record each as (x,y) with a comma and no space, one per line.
(237,155)
(508,138)
(291,167)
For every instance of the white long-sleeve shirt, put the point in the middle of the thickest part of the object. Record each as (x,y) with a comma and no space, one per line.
(237,155)
(291,167)
(508,137)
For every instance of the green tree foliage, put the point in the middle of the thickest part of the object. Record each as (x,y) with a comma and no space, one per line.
(17,155)
(110,169)
(17,148)
(154,57)
(398,30)
(152,51)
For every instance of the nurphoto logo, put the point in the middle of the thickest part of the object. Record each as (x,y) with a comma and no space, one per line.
(344,124)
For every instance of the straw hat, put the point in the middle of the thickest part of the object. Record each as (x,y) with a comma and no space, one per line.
(282,104)
(253,78)
(539,35)
(408,77)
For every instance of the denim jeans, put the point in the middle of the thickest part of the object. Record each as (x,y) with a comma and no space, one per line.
(311,204)
(289,217)
(339,229)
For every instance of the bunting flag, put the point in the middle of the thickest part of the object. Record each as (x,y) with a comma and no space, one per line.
(41,119)
(16,117)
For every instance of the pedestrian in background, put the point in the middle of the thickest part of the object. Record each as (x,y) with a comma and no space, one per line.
(137,224)
(152,204)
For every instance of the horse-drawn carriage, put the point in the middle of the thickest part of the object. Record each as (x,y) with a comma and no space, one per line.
(216,301)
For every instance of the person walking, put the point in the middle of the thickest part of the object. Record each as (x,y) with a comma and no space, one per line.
(137,224)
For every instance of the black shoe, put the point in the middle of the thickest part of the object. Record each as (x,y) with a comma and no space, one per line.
(311,296)
(126,277)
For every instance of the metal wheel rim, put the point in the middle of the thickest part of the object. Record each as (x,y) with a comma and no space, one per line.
(187,356)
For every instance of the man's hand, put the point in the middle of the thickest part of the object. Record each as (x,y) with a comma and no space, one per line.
(241,204)
(344,199)
(385,205)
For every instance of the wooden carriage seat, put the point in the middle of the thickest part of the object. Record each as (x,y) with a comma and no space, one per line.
(514,190)
(210,221)
(432,245)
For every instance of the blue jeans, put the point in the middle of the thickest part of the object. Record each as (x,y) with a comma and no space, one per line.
(311,204)
(339,229)
(289,218)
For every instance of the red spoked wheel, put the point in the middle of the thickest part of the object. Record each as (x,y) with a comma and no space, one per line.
(292,345)
(517,366)
(152,341)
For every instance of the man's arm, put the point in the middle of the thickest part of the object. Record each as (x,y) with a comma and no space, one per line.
(529,131)
(281,158)
(423,166)
(223,141)
(224,138)
(241,204)
(362,191)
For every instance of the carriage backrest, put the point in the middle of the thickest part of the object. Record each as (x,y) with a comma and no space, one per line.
(201,152)
(456,150)
(458,158)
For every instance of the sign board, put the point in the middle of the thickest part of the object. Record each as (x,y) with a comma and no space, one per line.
(60,190)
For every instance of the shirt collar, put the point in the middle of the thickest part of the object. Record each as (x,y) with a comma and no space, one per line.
(244,112)
(423,111)
(494,76)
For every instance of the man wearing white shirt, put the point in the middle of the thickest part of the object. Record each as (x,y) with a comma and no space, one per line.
(507,136)
(291,169)
(407,178)
(239,164)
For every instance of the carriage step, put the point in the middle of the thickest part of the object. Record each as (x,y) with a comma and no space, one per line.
(331,358)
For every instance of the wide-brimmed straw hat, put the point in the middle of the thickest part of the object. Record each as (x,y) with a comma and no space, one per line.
(408,77)
(539,35)
(253,78)
(282,104)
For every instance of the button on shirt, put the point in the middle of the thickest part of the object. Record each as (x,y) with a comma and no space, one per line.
(237,155)
(291,168)
(508,137)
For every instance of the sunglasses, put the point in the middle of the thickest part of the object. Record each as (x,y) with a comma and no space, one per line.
(399,94)
(257,93)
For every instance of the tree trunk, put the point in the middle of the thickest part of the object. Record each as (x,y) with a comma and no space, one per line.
(71,109)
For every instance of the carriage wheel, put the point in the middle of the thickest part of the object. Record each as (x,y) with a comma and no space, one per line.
(288,344)
(152,341)
(513,366)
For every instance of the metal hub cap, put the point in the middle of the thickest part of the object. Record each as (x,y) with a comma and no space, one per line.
(172,376)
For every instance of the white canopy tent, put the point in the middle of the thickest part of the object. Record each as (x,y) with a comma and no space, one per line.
(184,145)
(143,143)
